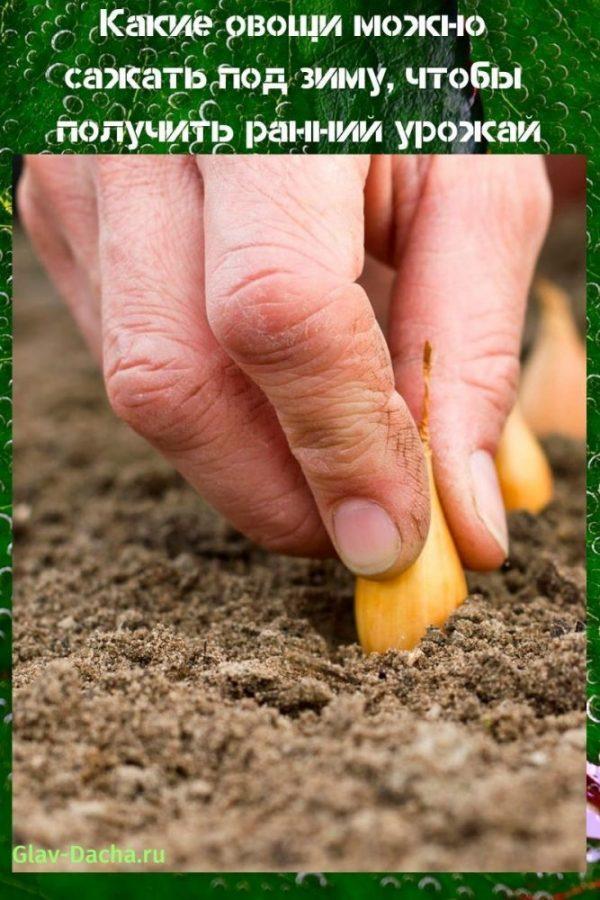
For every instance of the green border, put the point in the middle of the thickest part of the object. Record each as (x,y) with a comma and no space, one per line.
(556,43)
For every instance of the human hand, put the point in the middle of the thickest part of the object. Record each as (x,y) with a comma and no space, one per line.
(220,296)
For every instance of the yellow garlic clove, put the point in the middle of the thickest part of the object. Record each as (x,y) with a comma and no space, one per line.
(553,384)
(395,614)
(523,471)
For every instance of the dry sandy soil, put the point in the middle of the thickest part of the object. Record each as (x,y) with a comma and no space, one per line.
(177,687)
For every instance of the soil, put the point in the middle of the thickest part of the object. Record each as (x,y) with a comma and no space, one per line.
(177,687)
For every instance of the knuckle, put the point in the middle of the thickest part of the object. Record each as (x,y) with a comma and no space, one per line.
(352,442)
(494,377)
(263,314)
(138,390)
(150,387)
(288,327)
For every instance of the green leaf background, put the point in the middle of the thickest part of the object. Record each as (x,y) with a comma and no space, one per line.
(43,39)
(557,45)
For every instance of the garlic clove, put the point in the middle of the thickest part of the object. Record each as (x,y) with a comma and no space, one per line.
(395,613)
(523,471)
(552,394)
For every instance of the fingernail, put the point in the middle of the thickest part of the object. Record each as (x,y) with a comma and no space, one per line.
(366,538)
(488,498)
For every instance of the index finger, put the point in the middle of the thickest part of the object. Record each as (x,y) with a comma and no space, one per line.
(284,246)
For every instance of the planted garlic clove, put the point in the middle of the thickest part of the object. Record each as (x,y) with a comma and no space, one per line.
(523,471)
(395,614)
(553,384)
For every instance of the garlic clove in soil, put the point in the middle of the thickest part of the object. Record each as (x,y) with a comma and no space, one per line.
(523,471)
(553,384)
(395,613)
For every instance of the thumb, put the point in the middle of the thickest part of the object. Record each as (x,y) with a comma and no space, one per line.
(462,284)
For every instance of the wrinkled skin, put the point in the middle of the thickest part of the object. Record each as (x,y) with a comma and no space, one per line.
(220,296)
